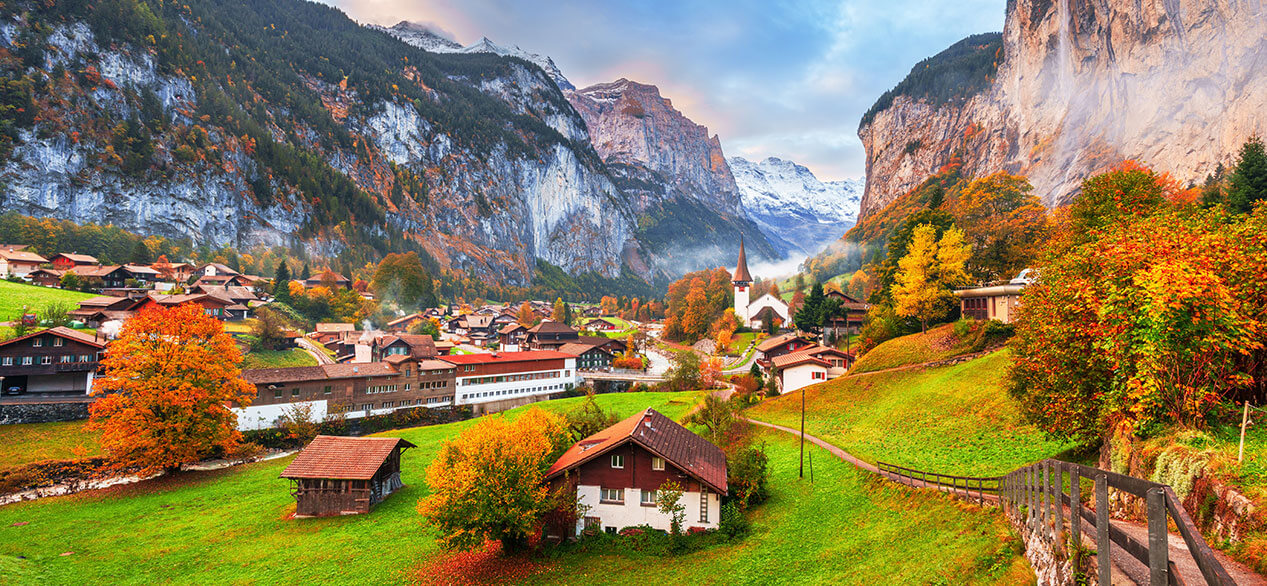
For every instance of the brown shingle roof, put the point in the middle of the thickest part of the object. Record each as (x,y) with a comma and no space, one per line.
(73,257)
(21,256)
(343,458)
(690,453)
(772,343)
(741,269)
(292,374)
(579,348)
(551,327)
(358,369)
(63,332)
(335,327)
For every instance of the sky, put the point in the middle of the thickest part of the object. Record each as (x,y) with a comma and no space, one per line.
(782,79)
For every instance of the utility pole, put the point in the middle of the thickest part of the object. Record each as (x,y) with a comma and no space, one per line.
(1240,452)
(802,391)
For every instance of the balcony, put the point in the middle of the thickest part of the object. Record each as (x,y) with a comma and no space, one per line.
(76,366)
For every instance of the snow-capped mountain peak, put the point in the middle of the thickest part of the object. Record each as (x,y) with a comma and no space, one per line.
(790,204)
(422,37)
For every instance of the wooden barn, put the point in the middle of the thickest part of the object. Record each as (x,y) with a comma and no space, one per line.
(337,475)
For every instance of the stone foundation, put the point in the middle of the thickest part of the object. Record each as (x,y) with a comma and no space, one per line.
(11,413)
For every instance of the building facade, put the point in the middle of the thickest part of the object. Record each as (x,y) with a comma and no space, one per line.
(54,363)
(500,380)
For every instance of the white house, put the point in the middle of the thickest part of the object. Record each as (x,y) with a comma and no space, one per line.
(808,366)
(617,472)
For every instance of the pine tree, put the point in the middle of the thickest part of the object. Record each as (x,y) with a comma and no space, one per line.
(306,274)
(809,318)
(141,253)
(281,283)
(1248,183)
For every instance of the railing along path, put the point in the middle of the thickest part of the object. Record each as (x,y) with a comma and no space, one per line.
(1036,497)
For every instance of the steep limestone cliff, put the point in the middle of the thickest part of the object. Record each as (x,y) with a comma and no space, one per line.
(1081,86)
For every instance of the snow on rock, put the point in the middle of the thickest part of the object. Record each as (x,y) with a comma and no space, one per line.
(792,206)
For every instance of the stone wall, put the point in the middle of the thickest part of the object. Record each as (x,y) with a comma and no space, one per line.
(43,412)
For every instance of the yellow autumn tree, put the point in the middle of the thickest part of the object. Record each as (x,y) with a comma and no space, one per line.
(487,483)
(928,272)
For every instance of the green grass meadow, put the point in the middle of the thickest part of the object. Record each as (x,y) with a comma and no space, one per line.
(954,420)
(938,343)
(15,296)
(231,527)
(277,358)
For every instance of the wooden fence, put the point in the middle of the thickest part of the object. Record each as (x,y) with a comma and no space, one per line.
(1041,496)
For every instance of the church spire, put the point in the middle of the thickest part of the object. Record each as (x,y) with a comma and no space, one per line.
(741,272)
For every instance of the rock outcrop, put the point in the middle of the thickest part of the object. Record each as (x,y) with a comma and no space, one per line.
(1081,86)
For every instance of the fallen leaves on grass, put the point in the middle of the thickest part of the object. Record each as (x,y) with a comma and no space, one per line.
(486,565)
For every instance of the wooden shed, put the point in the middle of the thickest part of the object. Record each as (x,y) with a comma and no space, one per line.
(337,475)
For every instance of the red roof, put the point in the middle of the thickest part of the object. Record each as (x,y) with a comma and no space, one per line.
(690,453)
(343,458)
(489,358)
(63,332)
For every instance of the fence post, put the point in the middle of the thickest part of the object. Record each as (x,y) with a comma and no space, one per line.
(1057,495)
(1029,498)
(1102,543)
(1158,546)
(1045,488)
(1075,506)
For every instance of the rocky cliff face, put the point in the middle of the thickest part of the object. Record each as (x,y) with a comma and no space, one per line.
(792,206)
(631,123)
(426,174)
(1081,86)
(420,36)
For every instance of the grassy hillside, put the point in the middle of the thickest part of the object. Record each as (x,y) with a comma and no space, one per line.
(956,419)
(231,526)
(277,359)
(15,296)
(938,343)
(25,443)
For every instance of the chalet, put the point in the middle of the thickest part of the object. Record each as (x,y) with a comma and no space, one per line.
(511,337)
(141,273)
(856,312)
(337,475)
(444,347)
(328,278)
(46,277)
(602,324)
(237,294)
(589,356)
(174,272)
(57,362)
(66,260)
(998,302)
(95,311)
(402,324)
(332,331)
(350,390)
(103,276)
(16,261)
(414,345)
(616,473)
(810,365)
(220,281)
(775,346)
(214,306)
(550,335)
(613,345)
(491,382)
(213,269)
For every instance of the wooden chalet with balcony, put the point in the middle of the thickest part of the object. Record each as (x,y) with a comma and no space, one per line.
(54,363)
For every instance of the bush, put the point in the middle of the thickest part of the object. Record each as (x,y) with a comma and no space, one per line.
(748,473)
(733,523)
(283,439)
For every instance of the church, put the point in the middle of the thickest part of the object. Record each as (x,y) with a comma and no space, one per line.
(749,313)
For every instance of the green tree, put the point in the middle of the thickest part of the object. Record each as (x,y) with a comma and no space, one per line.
(589,418)
(306,273)
(1128,191)
(281,282)
(425,327)
(684,375)
(717,415)
(1248,183)
(141,253)
(400,278)
(57,313)
(809,317)
(669,502)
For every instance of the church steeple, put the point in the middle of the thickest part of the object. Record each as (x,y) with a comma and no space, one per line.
(741,271)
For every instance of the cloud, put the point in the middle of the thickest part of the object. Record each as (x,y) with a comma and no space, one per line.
(789,79)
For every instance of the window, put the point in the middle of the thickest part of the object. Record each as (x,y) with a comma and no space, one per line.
(657,463)
(37,342)
(277,395)
(26,361)
(64,358)
(648,498)
(819,376)
(59,342)
(611,495)
(46,360)
(618,461)
(326,390)
(294,393)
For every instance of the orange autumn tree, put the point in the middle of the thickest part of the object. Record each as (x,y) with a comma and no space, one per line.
(487,483)
(167,385)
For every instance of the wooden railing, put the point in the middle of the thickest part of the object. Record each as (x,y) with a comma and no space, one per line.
(1037,496)
(972,488)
